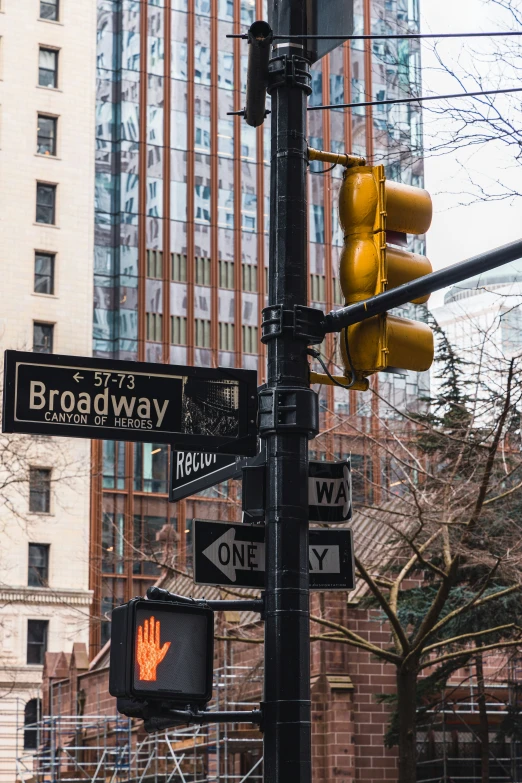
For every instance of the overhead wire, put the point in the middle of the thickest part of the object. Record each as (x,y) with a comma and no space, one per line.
(384,36)
(413,100)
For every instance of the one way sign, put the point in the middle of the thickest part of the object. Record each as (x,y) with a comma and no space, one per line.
(227,554)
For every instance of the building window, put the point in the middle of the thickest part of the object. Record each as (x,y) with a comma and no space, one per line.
(226,337)
(178,330)
(179,268)
(46,135)
(202,333)
(151,468)
(250,339)
(202,271)
(226,274)
(317,286)
(37,631)
(32,714)
(338,295)
(44,273)
(40,490)
(43,337)
(49,9)
(155,264)
(154,326)
(249,277)
(38,565)
(45,203)
(48,67)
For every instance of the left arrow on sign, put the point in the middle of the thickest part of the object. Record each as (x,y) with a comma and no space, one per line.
(77,377)
(230,555)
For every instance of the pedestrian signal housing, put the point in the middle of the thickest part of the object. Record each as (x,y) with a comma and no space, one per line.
(373,210)
(162,651)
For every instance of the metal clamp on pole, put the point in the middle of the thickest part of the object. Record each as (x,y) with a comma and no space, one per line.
(241,605)
(288,409)
(306,323)
(289,71)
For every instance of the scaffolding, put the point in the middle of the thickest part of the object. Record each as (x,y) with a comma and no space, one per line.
(114,749)
(449,746)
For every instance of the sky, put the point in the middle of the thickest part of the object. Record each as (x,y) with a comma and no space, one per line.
(459,232)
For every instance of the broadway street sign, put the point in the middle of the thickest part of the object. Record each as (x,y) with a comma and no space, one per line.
(234,555)
(211,410)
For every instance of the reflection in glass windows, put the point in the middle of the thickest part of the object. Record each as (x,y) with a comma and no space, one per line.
(38,571)
(37,632)
(48,67)
(44,273)
(43,337)
(45,203)
(49,9)
(151,535)
(113,464)
(46,135)
(113,534)
(150,467)
(112,594)
(40,490)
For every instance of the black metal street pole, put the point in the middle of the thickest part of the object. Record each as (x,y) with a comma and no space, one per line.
(288,416)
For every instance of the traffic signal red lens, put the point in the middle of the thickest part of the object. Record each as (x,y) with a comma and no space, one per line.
(170,650)
(149,653)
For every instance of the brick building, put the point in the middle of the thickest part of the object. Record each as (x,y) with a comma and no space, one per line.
(82,734)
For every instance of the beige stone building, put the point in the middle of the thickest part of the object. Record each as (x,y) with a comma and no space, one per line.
(47,116)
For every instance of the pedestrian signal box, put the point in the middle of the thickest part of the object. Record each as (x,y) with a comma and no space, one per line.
(162,651)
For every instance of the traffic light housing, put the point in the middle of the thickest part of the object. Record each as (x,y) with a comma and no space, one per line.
(373,210)
(162,652)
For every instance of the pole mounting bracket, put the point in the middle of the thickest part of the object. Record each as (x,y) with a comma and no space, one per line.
(289,71)
(305,323)
(285,409)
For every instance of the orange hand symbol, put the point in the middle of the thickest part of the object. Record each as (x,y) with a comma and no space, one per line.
(149,653)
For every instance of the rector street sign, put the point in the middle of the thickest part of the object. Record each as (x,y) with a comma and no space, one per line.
(190,408)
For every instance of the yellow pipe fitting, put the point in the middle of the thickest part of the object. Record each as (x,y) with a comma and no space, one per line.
(335,157)
(318,377)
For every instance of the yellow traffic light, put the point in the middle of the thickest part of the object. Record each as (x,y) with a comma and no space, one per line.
(369,206)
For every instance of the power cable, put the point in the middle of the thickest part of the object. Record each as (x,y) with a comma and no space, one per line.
(324,171)
(412,100)
(383,37)
(317,355)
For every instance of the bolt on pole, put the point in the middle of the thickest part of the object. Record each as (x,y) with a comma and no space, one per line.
(288,418)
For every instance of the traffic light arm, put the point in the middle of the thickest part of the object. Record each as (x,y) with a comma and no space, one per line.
(336,320)
(241,605)
(335,157)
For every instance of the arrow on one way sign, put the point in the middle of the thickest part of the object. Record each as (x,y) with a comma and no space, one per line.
(229,554)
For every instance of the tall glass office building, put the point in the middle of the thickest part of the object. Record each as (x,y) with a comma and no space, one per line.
(181,256)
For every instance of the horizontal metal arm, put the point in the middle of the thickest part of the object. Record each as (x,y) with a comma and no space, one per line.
(396,297)
(167,719)
(225,605)
(229,716)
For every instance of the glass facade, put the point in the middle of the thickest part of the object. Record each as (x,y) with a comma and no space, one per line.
(181,236)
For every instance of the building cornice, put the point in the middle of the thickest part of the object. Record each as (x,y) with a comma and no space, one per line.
(45,595)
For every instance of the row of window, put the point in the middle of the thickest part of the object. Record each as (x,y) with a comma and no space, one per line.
(318,289)
(178,333)
(226,275)
(178,270)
